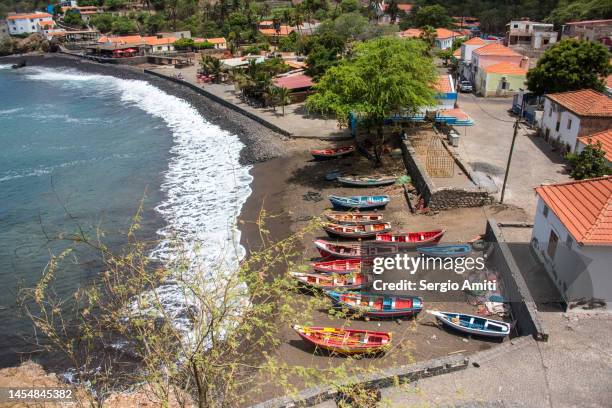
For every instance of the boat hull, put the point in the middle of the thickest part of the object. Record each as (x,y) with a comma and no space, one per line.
(359,202)
(345,341)
(339,266)
(344,218)
(446,251)
(486,330)
(407,241)
(347,300)
(366,182)
(324,154)
(356,231)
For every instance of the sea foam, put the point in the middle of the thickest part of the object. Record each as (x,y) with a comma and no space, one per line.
(205,186)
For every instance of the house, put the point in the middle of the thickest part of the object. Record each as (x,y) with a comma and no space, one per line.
(570,115)
(307,27)
(85,11)
(299,85)
(591,30)
(572,237)
(490,54)
(501,79)
(470,23)
(45,27)
(26,23)
(282,31)
(385,18)
(154,45)
(444,37)
(470,45)
(219,42)
(150,44)
(530,35)
(446,93)
(529,104)
(604,137)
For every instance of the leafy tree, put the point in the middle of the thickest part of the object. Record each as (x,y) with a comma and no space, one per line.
(589,163)
(211,66)
(435,16)
(429,35)
(123,25)
(184,43)
(73,18)
(383,76)
(103,22)
(283,97)
(349,6)
(115,4)
(154,23)
(570,65)
(567,10)
(393,10)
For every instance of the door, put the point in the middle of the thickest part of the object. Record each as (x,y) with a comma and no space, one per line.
(553,240)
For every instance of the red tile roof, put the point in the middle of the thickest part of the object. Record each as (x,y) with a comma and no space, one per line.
(293,81)
(443,33)
(29,15)
(270,32)
(411,33)
(159,41)
(609,81)
(457,53)
(403,7)
(475,41)
(496,49)
(456,112)
(584,207)
(585,102)
(605,138)
(505,68)
(444,84)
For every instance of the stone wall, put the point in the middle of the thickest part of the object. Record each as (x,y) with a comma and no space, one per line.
(438,199)
(500,259)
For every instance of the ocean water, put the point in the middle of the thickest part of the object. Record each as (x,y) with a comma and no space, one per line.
(85,149)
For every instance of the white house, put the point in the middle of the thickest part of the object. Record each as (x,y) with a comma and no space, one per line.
(26,23)
(530,34)
(572,237)
(469,46)
(569,115)
(445,38)
(603,137)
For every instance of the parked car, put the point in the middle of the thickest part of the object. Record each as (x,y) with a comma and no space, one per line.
(465,86)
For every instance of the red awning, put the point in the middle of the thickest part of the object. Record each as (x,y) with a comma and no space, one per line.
(130,50)
(117,51)
(294,81)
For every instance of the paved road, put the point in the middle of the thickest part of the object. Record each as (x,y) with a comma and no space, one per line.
(485,147)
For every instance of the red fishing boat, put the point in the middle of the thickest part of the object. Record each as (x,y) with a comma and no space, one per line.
(412,239)
(345,341)
(332,153)
(356,231)
(354,218)
(323,281)
(338,266)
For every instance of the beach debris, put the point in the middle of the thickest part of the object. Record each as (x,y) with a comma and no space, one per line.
(465,340)
(475,364)
(333,175)
(312,196)
(456,352)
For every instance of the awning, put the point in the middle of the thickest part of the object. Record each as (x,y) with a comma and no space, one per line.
(130,50)
(454,117)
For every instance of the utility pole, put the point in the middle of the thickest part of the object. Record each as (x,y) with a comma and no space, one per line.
(516,127)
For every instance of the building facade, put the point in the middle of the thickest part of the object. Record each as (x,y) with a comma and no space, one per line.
(572,237)
(502,79)
(26,23)
(530,34)
(591,30)
(570,115)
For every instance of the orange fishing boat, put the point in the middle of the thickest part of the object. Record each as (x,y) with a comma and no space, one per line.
(345,341)
(346,281)
(338,266)
(356,231)
(412,239)
(355,218)
(332,153)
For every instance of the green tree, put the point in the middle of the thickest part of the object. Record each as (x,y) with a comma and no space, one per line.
(184,44)
(123,25)
(435,16)
(283,97)
(73,19)
(570,65)
(392,10)
(429,35)
(349,6)
(589,163)
(103,22)
(568,10)
(383,76)
(211,66)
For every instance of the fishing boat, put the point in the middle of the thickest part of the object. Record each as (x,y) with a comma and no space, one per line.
(446,251)
(356,231)
(354,218)
(373,305)
(359,202)
(323,281)
(338,266)
(345,341)
(412,239)
(332,153)
(473,324)
(366,181)
(351,250)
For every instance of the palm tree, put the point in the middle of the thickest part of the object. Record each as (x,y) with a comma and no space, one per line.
(211,66)
(429,35)
(283,97)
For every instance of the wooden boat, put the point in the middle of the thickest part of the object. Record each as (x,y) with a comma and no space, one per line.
(356,231)
(367,181)
(332,153)
(338,266)
(345,341)
(412,239)
(374,305)
(351,250)
(473,324)
(446,251)
(355,218)
(359,202)
(323,281)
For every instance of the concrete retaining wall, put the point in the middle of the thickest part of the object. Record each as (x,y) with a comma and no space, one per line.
(523,306)
(386,378)
(439,199)
(222,102)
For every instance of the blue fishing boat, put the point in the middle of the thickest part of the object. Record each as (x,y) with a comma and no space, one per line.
(359,202)
(446,251)
(473,324)
(374,305)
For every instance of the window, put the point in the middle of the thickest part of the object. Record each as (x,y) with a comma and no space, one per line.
(550,111)
(552,244)
(569,241)
(569,124)
(516,26)
(558,126)
(545,211)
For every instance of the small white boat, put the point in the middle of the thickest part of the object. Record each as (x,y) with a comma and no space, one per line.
(471,324)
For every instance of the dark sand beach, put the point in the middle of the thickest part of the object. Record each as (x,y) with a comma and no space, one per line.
(284,173)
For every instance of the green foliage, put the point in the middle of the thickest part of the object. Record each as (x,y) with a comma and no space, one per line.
(576,10)
(123,25)
(288,43)
(349,6)
(115,4)
(211,66)
(435,16)
(203,45)
(382,76)
(73,19)
(103,22)
(589,163)
(570,65)
(184,44)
